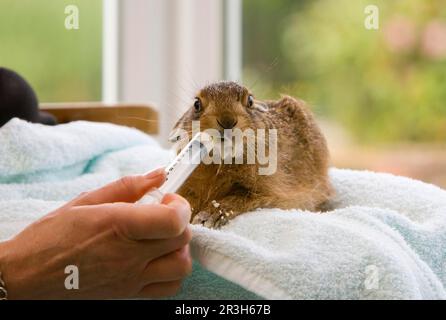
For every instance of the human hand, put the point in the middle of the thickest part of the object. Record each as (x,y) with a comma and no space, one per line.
(121,249)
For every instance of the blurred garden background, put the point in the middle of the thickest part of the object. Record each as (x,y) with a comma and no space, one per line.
(379,94)
(60,65)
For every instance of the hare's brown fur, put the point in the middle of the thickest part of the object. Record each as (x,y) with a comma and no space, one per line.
(218,193)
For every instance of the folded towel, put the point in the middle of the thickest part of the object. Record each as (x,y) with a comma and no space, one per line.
(386,239)
(59,162)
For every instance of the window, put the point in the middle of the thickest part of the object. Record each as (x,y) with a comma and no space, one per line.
(380,94)
(60,64)
(156,52)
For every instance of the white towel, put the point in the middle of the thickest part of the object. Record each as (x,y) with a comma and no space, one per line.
(41,167)
(385,240)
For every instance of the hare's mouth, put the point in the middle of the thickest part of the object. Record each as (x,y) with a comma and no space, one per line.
(174,137)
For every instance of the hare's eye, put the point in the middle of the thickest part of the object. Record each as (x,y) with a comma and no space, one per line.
(250,101)
(197,104)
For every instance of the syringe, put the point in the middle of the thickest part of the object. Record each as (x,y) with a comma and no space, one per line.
(182,167)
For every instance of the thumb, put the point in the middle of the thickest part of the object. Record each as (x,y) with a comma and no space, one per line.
(126,189)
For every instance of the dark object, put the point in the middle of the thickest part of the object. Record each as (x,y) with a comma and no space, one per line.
(18,99)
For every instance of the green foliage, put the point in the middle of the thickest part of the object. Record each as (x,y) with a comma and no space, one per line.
(357,76)
(61,64)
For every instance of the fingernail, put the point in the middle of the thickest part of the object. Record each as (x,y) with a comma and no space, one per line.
(155,173)
(183,206)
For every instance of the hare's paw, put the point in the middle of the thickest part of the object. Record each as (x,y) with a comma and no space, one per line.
(291,106)
(215,218)
(201,217)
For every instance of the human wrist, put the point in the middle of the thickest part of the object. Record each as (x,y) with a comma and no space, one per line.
(19,272)
(10,269)
(3,256)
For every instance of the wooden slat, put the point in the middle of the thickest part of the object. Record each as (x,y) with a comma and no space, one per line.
(142,117)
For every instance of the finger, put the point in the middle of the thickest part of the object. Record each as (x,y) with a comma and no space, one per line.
(105,217)
(160,290)
(126,189)
(151,221)
(170,197)
(154,249)
(173,266)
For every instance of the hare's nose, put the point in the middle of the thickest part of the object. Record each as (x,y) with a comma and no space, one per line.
(227,122)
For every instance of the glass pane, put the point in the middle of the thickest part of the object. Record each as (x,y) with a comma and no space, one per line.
(378,93)
(61,64)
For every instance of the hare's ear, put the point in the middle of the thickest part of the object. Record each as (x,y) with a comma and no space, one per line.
(290,106)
